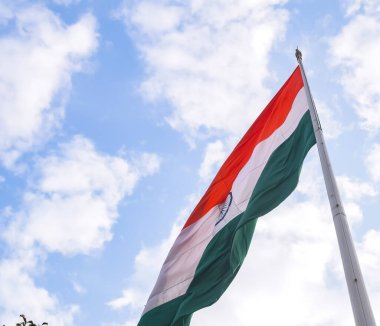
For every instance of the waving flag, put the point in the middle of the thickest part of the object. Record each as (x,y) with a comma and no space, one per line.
(259,174)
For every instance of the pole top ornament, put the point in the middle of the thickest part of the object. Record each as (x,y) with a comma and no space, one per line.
(298,54)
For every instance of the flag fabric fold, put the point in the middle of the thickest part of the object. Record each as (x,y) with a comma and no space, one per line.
(259,174)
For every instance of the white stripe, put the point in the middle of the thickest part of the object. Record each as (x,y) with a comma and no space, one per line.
(180,265)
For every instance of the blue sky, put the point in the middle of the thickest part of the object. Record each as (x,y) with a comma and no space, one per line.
(114,117)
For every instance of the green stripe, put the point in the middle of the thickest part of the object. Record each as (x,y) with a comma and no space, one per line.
(226,251)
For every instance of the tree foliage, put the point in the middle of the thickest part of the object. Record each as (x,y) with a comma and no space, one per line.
(26,322)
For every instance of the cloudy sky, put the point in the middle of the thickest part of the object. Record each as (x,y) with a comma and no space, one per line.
(114,117)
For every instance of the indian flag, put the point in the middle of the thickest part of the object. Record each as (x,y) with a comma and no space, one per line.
(259,174)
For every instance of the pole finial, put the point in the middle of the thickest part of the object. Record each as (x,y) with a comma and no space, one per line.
(298,54)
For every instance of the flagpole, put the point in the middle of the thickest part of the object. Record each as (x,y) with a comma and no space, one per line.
(358,295)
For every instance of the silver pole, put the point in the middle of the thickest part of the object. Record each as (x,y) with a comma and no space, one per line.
(358,295)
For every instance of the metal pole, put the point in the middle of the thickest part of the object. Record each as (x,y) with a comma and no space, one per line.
(358,295)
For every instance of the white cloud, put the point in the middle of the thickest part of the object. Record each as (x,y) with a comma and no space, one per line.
(165,18)
(208,59)
(292,272)
(369,252)
(355,189)
(20,294)
(373,162)
(146,267)
(332,128)
(39,55)
(74,197)
(69,207)
(5,13)
(66,2)
(214,157)
(147,264)
(353,6)
(355,50)
(37,60)
(78,288)
(145,163)
(369,256)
